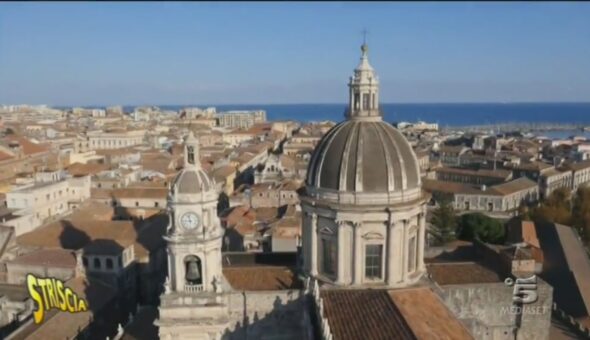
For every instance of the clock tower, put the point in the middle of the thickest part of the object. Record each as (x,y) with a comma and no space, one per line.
(194,235)
(194,289)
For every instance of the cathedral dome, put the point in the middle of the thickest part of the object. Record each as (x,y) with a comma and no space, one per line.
(192,182)
(364,156)
(192,179)
(364,160)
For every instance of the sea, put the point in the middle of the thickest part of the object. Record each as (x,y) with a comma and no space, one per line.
(446,115)
(443,114)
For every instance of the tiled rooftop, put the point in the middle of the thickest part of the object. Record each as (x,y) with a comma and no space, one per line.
(462,273)
(364,314)
(256,278)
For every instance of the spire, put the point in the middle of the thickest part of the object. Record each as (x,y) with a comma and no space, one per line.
(191,152)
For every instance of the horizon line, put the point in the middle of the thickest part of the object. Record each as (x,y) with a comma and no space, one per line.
(308,103)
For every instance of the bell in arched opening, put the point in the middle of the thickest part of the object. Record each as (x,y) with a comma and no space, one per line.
(193,270)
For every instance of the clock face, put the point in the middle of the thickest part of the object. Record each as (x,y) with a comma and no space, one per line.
(190,221)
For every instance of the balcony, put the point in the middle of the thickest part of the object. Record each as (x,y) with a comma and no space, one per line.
(191,288)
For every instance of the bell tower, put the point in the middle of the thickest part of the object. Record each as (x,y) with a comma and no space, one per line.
(194,235)
(194,288)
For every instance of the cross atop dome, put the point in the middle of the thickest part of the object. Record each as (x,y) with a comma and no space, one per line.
(364,46)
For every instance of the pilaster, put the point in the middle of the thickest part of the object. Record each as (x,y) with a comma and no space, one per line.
(314,244)
(421,240)
(358,256)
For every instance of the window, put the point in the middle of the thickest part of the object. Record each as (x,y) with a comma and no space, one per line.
(190,154)
(97,263)
(412,254)
(373,261)
(109,263)
(365,101)
(120,261)
(85,261)
(156,204)
(137,204)
(329,256)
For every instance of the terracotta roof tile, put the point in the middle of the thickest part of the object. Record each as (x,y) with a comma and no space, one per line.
(364,314)
(5,156)
(462,273)
(513,186)
(429,319)
(28,147)
(48,257)
(255,278)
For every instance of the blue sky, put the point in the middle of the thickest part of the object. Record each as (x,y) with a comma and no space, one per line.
(227,53)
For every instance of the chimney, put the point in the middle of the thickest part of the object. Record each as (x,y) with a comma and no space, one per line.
(80,271)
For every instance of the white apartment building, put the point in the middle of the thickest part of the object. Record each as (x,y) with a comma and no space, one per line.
(98,113)
(51,194)
(241,119)
(581,174)
(235,138)
(114,139)
(195,112)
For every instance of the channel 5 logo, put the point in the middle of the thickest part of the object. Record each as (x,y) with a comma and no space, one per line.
(51,293)
(525,289)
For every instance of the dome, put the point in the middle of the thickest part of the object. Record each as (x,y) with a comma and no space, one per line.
(364,156)
(192,182)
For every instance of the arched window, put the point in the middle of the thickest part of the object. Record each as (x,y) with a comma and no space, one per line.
(109,263)
(97,264)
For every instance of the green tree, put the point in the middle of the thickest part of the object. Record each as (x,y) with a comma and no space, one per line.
(556,208)
(524,212)
(444,223)
(581,213)
(482,227)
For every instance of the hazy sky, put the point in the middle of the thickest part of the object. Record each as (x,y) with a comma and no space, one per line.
(211,53)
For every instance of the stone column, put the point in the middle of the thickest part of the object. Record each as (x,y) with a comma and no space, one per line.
(170,267)
(421,240)
(340,245)
(404,261)
(358,256)
(351,99)
(314,245)
(178,273)
(305,242)
(391,259)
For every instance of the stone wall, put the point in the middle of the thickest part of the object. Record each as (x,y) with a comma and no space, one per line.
(488,312)
(266,315)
